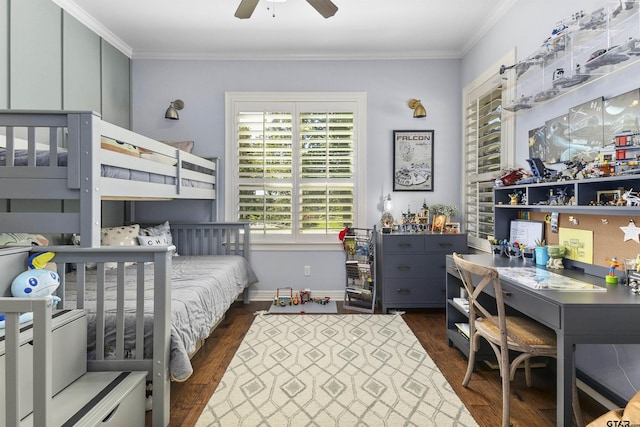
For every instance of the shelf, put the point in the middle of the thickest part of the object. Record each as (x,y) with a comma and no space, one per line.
(360,287)
(584,49)
(585,194)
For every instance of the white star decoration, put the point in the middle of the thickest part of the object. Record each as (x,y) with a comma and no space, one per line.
(631,232)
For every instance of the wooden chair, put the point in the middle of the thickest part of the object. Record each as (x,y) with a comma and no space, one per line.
(519,334)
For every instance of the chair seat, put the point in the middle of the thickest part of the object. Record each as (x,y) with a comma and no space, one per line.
(528,331)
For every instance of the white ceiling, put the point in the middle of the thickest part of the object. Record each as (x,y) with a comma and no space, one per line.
(361,29)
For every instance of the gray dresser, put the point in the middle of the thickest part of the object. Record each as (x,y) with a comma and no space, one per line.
(411,268)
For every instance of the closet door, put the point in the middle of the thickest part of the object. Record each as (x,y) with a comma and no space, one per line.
(80,66)
(116,86)
(4,54)
(35,61)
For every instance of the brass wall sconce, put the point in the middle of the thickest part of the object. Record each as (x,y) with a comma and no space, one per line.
(418,109)
(172,111)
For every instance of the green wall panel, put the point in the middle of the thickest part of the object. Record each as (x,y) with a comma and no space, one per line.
(80,66)
(35,55)
(116,86)
(4,54)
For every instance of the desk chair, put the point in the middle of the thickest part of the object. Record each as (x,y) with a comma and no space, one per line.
(519,334)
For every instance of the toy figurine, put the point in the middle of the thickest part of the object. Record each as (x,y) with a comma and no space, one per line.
(613,264)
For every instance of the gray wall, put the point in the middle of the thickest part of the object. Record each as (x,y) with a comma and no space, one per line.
(389,86)
(525,26)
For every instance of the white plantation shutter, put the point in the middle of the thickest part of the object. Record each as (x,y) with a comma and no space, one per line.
(296,169)
(482,149)
(326,171)
(488,148)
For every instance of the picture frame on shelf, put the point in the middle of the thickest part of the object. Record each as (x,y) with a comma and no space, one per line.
(439,222)
(413,160)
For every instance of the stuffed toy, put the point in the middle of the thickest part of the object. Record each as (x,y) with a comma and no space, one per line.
(36,282)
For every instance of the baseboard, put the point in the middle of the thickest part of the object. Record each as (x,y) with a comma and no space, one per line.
(268,295)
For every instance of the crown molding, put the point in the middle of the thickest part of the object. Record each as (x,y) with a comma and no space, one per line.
(94,25)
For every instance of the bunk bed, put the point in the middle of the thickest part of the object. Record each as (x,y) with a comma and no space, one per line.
(77,160)
(74,161)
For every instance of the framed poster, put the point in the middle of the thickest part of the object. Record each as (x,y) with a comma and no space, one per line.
(413,160)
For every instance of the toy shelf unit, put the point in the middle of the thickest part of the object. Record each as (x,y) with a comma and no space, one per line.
(579,50)
(613,195)
(360,290)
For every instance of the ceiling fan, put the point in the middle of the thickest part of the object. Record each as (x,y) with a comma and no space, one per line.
(325,8)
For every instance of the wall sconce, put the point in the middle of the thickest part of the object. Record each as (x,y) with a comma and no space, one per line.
(172,111)
(418,109)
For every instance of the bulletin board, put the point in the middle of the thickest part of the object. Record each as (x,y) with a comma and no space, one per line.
(608,238)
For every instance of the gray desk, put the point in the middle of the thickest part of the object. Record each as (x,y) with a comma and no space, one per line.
(578,317)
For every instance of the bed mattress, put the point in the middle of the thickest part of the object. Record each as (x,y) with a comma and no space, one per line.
(202,289)
(107,171)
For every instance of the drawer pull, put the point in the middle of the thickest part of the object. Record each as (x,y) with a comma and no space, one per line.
(404,245)
(404,267)
(506,294)
(404,291)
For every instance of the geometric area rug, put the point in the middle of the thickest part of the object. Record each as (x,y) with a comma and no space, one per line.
(333,370)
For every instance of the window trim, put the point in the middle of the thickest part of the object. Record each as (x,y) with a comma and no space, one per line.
(479,87)
(233,99)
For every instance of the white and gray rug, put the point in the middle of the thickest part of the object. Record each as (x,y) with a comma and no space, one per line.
(333,370)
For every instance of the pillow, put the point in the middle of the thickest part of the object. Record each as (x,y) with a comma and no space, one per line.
(126,235)
(119,147)
(161,231)
(22,239)
(181,145)
(162,240)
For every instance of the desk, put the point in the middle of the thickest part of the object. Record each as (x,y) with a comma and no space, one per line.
(578,317)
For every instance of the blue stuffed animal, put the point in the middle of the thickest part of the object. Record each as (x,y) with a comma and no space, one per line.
(34,283)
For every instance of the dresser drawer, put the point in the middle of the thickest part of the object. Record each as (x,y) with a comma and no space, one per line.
(446,243)
(403,244)
(414,291)
(409,265)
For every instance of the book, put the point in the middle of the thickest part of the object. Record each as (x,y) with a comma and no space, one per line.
(463,328)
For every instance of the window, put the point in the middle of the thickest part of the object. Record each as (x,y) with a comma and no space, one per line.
(488,148)
(295,164)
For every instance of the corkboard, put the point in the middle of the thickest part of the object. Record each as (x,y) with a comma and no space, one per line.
(608,239)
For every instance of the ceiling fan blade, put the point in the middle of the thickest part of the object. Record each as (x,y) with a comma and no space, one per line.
(246,8)
(325,8)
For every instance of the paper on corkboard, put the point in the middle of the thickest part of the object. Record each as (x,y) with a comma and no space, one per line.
(579,244)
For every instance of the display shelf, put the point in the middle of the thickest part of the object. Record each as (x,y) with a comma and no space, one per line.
(582,49)
(596,196)
(360,288)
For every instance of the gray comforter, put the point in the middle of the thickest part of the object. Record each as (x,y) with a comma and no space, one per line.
(202,289)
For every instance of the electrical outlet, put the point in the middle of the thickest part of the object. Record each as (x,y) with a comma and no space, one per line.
(307,270)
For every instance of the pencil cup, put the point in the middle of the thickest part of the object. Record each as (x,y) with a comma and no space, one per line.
(541,255)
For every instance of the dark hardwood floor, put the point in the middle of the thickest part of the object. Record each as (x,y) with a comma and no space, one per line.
(535,406)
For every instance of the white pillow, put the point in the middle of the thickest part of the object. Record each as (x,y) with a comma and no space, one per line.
(161,240)
(162,231)
(126,235)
